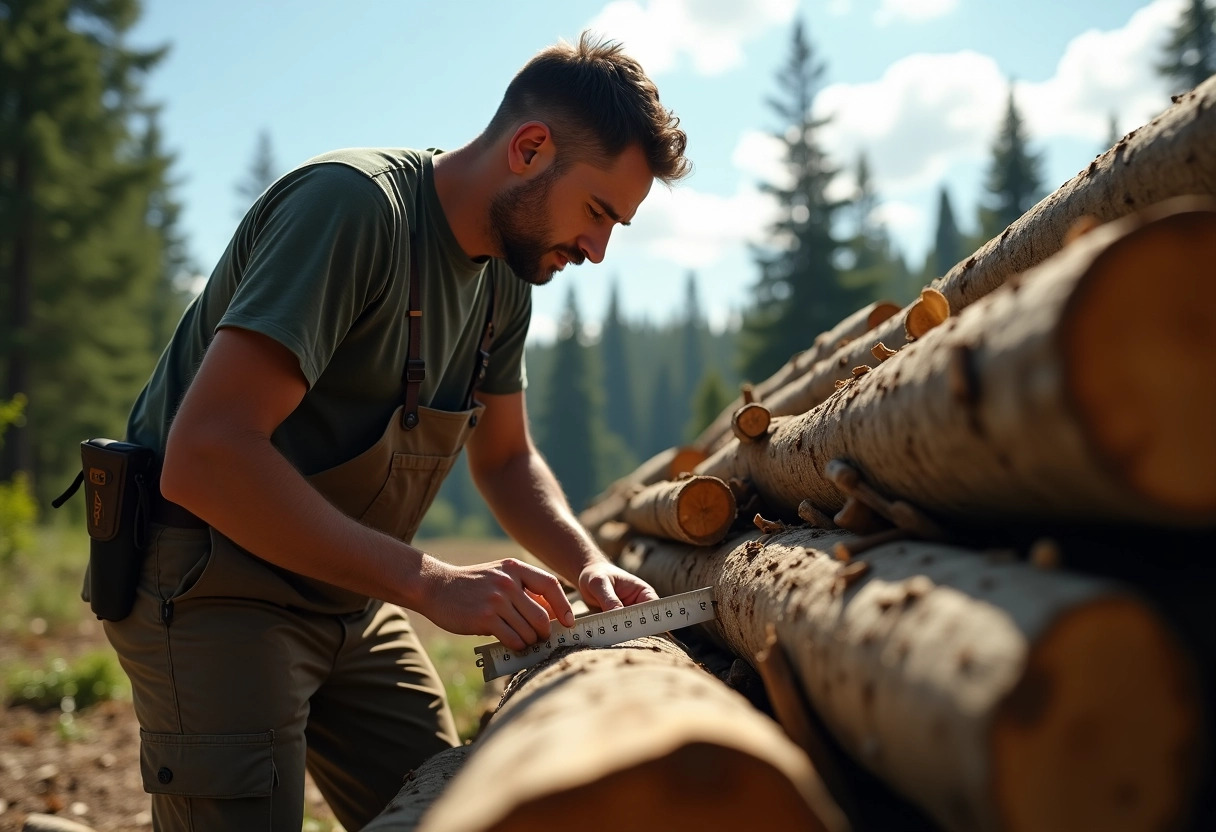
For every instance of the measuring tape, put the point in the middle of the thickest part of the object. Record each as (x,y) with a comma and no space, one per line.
(603,629)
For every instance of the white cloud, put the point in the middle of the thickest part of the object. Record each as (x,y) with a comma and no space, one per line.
(924,114)
(1100,74)
(928,113)
(912,11)
(761,155)
(710,33)
(694,229)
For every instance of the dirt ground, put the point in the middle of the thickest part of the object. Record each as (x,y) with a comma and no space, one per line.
(89,772)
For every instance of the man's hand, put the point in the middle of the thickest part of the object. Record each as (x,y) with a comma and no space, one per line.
(493,599)
(608,587)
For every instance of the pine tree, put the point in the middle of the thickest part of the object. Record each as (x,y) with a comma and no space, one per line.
(947,241)
(1015,179)
(1189,57)
(80,256)
(876,268)
(799,293)
(1112,133)
(568,425)
(709,400)
(619,411)
(664,423)
(692,348)
(263,171)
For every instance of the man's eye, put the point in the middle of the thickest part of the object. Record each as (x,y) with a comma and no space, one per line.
(595,215)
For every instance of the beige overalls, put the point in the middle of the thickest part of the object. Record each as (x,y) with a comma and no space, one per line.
(243,673)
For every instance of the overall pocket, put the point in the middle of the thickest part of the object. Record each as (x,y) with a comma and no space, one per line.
(409,489)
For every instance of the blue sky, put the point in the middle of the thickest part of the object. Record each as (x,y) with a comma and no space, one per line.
(918,85)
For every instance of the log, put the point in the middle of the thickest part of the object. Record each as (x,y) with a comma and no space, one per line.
(421,788)
(1173,155)
(994,695)
(825,344)
(750,422)
(696,510)
(663,466)
(1082,391)
(625,737)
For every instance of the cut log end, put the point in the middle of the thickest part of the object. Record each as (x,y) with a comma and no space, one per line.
(751,422)
(705,509)
(684,461)
(1107,748)
(696,786)
(929,311)
(1148,403)
(883,311)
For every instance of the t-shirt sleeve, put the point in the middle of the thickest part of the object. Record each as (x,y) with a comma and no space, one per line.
(318,246)
(507,373)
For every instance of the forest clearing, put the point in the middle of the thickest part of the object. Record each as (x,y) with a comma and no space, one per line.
(943,483)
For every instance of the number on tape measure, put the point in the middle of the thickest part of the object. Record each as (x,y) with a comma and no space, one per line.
(603,629)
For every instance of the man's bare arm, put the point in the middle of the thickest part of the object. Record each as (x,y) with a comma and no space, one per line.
(529,503)
(220,464)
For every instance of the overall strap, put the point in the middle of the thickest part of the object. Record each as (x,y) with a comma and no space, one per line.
(483,351)
(415,367)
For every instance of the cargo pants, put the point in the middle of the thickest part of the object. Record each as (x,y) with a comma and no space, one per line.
(244,674)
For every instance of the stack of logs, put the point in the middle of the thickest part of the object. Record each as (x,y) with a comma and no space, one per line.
(958,542)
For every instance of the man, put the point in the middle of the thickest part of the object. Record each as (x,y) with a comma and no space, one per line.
(326,379)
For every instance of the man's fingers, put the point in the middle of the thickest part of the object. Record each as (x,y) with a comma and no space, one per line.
(519,632)
(534,613)
(541,583)
(602,590)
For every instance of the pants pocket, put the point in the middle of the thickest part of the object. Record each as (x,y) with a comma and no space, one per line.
(218,766)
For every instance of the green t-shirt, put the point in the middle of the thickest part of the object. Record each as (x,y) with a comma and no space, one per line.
(320,263)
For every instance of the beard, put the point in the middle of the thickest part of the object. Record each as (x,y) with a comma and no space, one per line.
(520,223)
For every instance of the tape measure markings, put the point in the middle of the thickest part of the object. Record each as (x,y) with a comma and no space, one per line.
(603,629)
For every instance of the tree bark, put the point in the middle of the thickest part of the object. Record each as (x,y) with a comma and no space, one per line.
(825,344)
(1084,391)
(696,510)
(421,789)
(619,738)
(994,695)
(1173,155)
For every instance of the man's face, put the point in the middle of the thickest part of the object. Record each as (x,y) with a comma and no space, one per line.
(566,216)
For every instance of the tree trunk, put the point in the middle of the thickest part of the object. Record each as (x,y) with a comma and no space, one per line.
(995,695)
(17,450)
(620,738)
(1173,155)
(1083,391)
(825,344)
(696,510)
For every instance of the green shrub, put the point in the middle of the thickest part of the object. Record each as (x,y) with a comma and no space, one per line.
(18,510)
(92,678)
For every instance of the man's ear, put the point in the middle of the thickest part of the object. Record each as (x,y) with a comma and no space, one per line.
(530,149)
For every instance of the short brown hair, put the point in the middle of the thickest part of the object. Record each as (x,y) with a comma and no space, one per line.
(597,101)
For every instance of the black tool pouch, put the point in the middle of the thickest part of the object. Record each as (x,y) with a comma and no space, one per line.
(118,482)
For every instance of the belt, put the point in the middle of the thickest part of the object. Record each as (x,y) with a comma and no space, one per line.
(168,513)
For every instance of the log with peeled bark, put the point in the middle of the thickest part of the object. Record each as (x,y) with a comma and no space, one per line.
(696,510)
(1173,155)
(1082,391)
(826,343)
(663,466)
(994,695)
(627,737)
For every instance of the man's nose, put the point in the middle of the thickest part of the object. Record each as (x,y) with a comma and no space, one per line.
(595,244)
